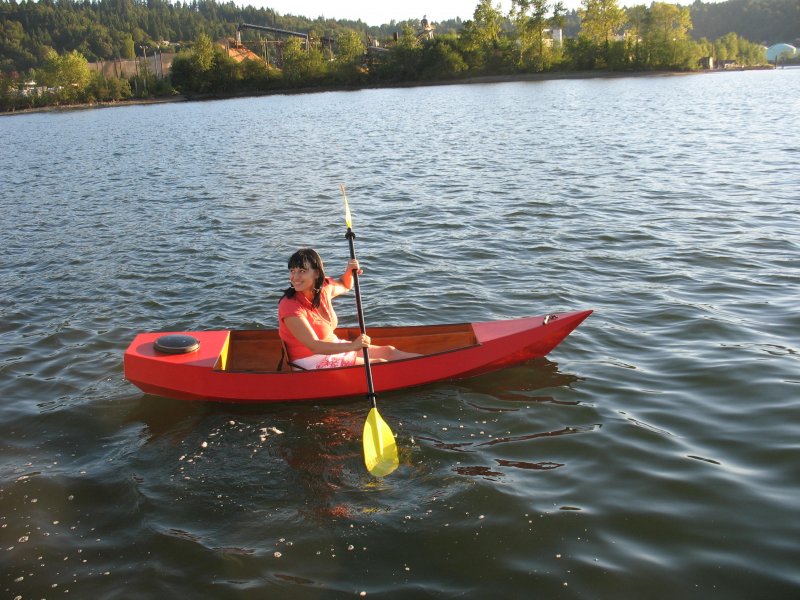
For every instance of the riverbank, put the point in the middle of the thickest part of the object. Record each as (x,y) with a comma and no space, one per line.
(483,79)
(90,105)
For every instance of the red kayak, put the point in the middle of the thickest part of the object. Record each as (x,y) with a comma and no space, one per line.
(245,366)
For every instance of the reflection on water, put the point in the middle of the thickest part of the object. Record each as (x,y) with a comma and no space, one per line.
(659,438)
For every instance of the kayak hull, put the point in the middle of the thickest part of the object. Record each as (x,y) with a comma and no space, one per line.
(243,366)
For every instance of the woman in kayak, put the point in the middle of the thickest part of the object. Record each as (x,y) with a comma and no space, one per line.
(306,319)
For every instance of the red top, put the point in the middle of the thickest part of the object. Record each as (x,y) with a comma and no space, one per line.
(323,320)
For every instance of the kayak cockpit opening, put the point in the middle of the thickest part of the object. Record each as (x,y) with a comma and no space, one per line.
(260,350)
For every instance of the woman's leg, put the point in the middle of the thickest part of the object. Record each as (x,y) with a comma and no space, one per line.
(384,353)
(372,359)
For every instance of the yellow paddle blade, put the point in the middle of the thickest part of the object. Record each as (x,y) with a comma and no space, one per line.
(347,217)
(380,449)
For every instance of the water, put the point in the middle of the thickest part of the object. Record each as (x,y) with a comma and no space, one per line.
(654,453)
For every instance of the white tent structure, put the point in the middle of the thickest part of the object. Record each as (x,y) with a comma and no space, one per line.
(778,50)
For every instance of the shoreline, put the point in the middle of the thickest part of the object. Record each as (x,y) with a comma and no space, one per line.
(481,79)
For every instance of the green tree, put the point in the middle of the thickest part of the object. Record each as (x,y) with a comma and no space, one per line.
(581,53)
(751,54)
(601,20)
(256,75)
(557,22)
(559,18)
(405,58)
(638,19)
(203,53)
(185,77)
(75,72)
(124,45)
(301,65)
(732,47)
(9,95)
(487,23)
(191,68)
(100,43)
(441,58)
(667,37)
(530,20)
(350,47)
(727,46)
(601,25)
(118,88)
(225,74)
(542,56)
(408,39)
(49,74)
(13,53)
(67,75)
(518,14)
(481,38)
(350,56)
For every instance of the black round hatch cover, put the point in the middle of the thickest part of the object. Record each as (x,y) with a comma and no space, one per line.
(176,344)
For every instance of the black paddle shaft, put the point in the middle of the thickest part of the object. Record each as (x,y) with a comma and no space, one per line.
(370,388)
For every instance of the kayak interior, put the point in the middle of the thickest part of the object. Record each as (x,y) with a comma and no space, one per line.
(260,351)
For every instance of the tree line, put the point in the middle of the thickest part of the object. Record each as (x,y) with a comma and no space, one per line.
(765,21)
(51,42)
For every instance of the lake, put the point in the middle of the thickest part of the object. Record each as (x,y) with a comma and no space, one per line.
(654,453)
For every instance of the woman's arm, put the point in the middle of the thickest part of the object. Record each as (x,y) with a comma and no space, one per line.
(345,283)
(302,331)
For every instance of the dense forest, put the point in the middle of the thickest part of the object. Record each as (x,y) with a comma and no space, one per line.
(764,21)
(51,42)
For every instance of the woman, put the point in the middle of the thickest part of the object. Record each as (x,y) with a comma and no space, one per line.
(306,319)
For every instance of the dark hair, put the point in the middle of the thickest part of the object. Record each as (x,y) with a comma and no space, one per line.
(307,258)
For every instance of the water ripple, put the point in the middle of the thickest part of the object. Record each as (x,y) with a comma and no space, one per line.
(660,438)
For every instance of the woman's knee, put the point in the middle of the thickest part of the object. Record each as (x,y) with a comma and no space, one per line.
(384,352)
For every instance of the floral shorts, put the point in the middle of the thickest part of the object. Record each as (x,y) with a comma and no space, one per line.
(327,361)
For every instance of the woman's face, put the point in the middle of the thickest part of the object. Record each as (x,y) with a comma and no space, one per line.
(302,279)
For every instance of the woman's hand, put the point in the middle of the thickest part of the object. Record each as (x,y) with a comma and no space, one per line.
(353,265)
(362,341)
(345,283)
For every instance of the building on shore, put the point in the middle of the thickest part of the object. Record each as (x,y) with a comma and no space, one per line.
(779,52)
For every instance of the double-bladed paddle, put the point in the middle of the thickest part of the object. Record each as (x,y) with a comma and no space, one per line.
(380,449)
